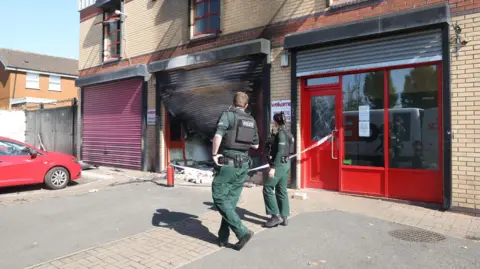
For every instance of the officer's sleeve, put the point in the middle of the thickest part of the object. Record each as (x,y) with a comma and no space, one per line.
(282,141)
(222,125)
(256,140)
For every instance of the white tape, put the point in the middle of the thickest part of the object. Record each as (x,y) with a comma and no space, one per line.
(318,143)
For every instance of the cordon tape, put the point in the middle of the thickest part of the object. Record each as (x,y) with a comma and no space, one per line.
(316,144)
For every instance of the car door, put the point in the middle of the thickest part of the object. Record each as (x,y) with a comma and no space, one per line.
(17,166)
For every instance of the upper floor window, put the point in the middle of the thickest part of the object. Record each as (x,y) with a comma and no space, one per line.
(55,83)
(33,81)
(206,17)
(112,34)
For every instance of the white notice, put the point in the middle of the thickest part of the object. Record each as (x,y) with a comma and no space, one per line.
(364,129)
(364,113)
(281,105)
(151,117)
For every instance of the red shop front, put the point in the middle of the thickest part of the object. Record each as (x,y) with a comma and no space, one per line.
(385,114)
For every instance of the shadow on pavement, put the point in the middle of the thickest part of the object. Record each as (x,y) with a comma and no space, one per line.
(189,225)
(244,214)
(177,221)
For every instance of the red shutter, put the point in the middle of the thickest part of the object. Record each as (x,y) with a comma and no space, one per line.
(112,124)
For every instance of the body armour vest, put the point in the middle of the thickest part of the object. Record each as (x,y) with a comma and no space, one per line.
(240,134)
(289,148)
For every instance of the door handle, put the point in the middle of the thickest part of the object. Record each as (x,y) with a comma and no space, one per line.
(332,144)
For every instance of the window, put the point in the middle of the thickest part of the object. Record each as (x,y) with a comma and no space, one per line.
(413,118)
(363,118)
(206,17)
(33,81)
(322,81)
(112,34)
(8,148)
(55,84)
(323,116)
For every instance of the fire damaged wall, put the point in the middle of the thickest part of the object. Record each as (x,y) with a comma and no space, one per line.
(195,99)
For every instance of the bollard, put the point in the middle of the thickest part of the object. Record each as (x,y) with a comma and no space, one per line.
(170,176)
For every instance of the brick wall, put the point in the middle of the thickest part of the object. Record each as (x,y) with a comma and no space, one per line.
(155,25)
(466,114)
(151,139)
(149,39)
(152,145)
(91,34)
(242,15)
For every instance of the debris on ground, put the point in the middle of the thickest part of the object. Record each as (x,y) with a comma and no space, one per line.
(93,190)
(317,263)
(249,185)
(300,196)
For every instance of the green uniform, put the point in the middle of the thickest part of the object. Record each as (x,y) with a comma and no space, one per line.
(228,183)
(275,192)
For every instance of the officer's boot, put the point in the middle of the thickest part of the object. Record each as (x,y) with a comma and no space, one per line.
(285,220)
(244,240)
(274,221)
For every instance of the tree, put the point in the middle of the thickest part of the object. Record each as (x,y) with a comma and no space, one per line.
(374,89)
(421,88)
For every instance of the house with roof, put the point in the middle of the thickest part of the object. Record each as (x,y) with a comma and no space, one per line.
(32,79)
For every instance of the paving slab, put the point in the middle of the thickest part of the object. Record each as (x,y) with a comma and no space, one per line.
(334,239)
(46,229)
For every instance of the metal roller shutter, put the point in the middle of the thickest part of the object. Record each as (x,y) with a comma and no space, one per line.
(199,96)
(112,124)
(418,47)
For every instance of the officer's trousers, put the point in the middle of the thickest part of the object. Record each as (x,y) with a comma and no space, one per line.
(226,189)
(275,192)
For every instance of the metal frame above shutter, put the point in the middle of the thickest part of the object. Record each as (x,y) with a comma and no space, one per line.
(424,46)
(112,124)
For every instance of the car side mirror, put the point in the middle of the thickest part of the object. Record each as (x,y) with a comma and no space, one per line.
(30,152)
(33,154)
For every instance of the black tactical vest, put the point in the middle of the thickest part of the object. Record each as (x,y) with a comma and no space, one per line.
(239,134)
(289,148)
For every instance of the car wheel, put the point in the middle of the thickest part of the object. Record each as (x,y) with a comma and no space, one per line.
(57,178)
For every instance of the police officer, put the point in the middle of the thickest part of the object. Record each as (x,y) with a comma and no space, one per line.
(275,188)
(236,133)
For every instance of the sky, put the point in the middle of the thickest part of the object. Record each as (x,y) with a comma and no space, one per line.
(43,26)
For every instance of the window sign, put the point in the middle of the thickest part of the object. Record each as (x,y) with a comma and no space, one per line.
(151,117)
(282,105)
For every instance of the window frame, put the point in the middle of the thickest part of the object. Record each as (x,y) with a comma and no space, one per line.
(59,83)
(110,18)
(37,81)
(207,17)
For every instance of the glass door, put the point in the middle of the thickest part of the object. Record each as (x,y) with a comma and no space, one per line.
(320,120)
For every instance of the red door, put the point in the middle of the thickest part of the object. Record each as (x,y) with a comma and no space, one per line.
(321,117)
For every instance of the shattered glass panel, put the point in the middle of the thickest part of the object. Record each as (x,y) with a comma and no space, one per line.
(323,116)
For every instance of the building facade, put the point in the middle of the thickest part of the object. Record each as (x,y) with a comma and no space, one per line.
(392,81)
(30,79)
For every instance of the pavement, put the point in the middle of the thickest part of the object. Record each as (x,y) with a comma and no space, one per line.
(50,228)
(328,230)
(335,239)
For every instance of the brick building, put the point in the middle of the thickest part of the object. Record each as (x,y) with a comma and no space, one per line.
(31,79)
(150,69)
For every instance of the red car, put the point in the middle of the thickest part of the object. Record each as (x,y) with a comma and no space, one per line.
(22,164)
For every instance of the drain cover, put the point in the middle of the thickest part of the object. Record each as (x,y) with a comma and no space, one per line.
(417,235)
